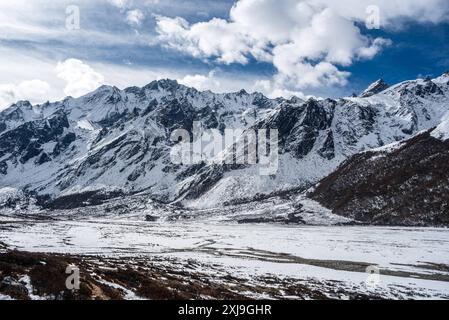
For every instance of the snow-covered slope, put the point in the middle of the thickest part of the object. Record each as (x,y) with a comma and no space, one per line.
(442,131)
(317,136)
(113,139)
(118,141)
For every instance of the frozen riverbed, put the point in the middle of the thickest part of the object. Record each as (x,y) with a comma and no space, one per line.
(412,262)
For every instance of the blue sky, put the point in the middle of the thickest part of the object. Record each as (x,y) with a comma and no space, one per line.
(418,50)
(282,47)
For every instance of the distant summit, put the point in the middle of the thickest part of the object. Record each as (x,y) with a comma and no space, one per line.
(375,88)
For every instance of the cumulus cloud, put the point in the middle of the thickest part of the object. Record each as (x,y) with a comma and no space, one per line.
(120,3)
(135,17)
(202,82)
(33,90)
(216,38)
(220,81)
(391,12)
(80,78)
(266,87)
(377,45)
(307,41)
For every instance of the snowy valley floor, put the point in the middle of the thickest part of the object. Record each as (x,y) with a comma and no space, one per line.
(222,260)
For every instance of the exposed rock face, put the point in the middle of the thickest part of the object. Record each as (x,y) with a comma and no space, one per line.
(407,184)
(301,126)
(26,141)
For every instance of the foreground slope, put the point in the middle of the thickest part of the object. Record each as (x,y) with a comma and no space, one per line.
(403,184)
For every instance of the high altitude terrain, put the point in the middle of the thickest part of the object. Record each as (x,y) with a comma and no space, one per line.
(114,143)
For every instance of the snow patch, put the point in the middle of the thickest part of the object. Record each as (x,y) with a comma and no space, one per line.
(27,281)
(443,79)
(442,131)
(129,295)
(86,125)
(5,297)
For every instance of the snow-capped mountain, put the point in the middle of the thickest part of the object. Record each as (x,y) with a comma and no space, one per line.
(118,141)
(112,139)
(317,136)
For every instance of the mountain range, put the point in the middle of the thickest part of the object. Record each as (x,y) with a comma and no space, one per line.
(378,158)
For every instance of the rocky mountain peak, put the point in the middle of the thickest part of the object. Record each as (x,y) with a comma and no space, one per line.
(374,88)
(296,100)
(22,104)
(163,84)
(104,91)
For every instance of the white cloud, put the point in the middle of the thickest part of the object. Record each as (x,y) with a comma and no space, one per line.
(216,38)
(377,45)
(202,82)
(80,78)
(221,82)
(33,90)
(391,12)
(120,3)
(271,91)
(135,17)
(24,20)
(307,41)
